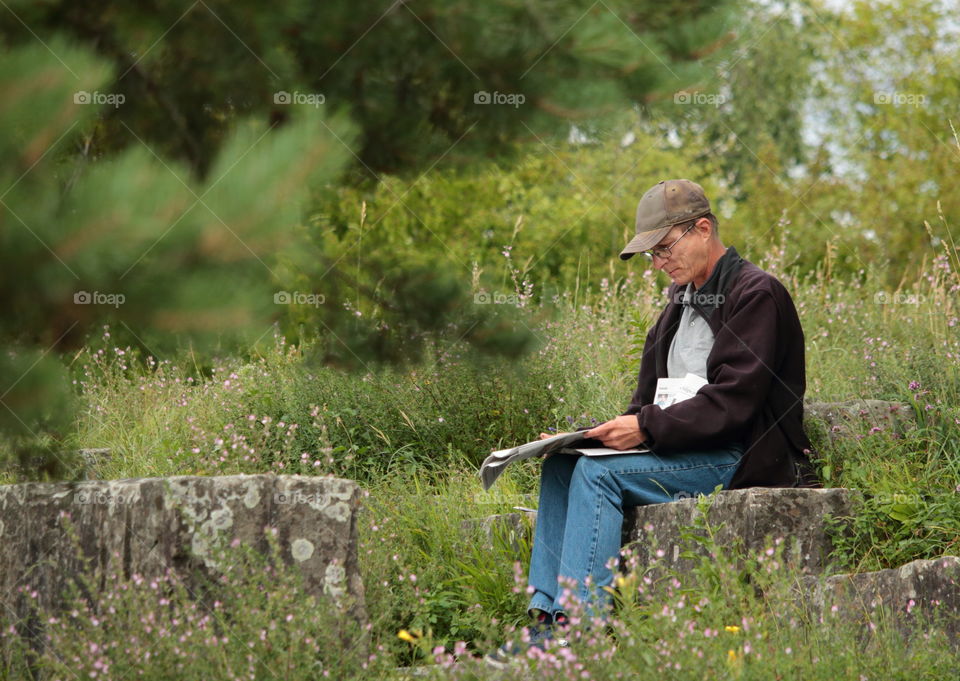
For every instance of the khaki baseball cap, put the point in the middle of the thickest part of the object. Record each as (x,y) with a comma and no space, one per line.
(666,204)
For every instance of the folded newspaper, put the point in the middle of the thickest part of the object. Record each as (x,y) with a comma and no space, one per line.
(672,390)
(669,391)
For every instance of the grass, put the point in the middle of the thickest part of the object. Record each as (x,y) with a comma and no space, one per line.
(413,437)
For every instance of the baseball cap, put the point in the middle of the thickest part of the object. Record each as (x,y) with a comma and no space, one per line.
(667,203)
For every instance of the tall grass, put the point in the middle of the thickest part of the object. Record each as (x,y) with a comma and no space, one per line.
(413,436)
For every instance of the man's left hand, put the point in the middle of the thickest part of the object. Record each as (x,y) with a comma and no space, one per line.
(622,432)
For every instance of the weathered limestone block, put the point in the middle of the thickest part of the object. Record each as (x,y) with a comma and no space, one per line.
(754,516)
(145,526)
(922,588)
(857,417)
(513,529)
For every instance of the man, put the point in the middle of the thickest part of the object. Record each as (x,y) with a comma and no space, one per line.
(730,323)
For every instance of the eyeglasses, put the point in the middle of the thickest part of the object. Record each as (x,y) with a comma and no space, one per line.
(663,252)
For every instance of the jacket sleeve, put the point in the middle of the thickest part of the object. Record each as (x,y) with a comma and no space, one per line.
(740,370)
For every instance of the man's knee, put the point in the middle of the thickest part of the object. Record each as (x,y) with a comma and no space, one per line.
(558,467)
(591,471)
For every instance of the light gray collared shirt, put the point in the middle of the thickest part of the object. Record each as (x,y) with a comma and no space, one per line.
(691,344)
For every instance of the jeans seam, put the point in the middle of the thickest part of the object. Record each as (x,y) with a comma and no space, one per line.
(632,471)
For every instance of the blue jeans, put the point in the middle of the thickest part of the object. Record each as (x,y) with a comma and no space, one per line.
(580,517)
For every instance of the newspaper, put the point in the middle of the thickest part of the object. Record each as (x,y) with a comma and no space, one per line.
(564,443)
(672,390)
(669,391)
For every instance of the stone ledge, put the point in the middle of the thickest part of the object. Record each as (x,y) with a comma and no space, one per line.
(512,529)
(747,518)
(928,588)
(146,525)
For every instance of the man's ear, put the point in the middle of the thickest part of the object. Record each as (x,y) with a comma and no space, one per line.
(703,225)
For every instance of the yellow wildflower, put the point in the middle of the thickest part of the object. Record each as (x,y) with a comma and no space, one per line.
(405,635)
(732,629)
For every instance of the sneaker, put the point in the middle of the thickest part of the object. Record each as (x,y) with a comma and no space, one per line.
(542,635)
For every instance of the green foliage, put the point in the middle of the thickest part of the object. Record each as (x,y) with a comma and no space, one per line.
(89,239)
(521,233)
(428,565)
(283,411)
(747,115)
(413,77)
(884,99)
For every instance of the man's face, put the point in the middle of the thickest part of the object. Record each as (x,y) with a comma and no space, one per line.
(688,260)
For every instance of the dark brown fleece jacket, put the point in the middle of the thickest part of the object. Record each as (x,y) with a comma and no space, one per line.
(756,375)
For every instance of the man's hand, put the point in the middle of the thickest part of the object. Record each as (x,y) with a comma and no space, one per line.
(622,432)
(544,436)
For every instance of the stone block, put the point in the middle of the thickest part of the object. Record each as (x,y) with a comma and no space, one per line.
(145,526)
(746,518)
(513,530)
(922,588)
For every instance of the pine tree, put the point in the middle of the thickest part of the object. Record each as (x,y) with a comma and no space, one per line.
(155,158)
(423,80)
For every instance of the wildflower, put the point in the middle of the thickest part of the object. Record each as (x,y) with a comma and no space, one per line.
(405,635)
(732,629)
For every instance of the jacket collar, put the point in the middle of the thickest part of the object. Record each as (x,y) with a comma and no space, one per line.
(708,298)
(721,280)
